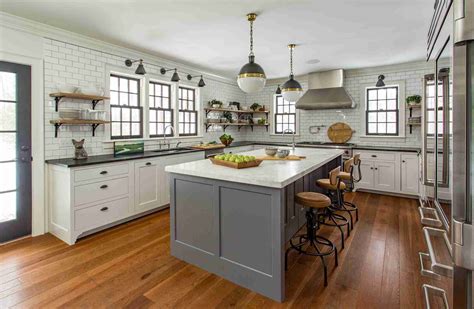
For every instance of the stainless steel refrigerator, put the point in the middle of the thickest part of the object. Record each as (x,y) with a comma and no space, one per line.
(448,155)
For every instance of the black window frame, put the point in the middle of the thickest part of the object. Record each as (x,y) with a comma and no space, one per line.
(138,107)
(189,111)
(276,114)
(158,109)
(368,111)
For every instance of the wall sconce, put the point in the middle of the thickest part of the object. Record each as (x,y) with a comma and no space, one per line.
(380,82)
(201,81)
(140,69)
(174,77)
(278,91)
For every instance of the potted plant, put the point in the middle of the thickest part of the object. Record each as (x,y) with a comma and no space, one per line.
(255,106)
(215,104)
(228,116)
(226,139)
(413,100)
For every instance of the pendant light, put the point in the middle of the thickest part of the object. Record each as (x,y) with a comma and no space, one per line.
(291,90)
(251,77)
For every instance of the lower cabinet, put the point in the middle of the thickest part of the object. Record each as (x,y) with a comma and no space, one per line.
(83,200)
(395,172)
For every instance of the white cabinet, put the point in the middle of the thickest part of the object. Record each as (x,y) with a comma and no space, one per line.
(147,185)
(385,176)
(83,200)
(238,149)
(410,167)
(388,171)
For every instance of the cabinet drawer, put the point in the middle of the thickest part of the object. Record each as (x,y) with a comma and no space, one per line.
(100,172)
(101,190)
(376,155)
(99,215)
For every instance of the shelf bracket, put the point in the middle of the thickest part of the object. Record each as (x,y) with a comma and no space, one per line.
(94,103)
(56,100)
(56,129)
(94,126)
(225,127)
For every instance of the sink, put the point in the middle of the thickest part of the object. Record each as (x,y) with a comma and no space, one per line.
(172,150)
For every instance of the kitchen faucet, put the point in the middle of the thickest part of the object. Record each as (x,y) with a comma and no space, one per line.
(164,135)
(294,133)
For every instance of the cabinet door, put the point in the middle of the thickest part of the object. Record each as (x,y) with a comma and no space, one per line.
(238,149)
(147,191)
(367,171)
(385,177)
(409,173)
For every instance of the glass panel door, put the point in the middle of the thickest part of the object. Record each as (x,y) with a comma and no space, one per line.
(15,151)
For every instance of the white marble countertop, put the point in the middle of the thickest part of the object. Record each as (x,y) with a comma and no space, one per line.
(274,174)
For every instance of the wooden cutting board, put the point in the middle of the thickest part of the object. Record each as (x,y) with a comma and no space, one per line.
(275,158)
(339,132)
(207,147)
(236,165)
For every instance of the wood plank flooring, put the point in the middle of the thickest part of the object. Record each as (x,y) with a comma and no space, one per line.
(130,266)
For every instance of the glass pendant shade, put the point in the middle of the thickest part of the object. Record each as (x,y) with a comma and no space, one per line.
(291,90)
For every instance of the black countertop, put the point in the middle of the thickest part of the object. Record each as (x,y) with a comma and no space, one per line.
(101,159)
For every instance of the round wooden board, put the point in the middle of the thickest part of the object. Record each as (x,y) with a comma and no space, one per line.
(339,132)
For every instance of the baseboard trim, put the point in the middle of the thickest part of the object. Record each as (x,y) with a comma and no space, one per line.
(410,196)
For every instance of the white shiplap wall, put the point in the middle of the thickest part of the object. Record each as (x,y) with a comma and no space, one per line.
(81,66)
(354,82)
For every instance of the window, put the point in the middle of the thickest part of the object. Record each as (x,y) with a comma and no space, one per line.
(187,112)
(125,109)
(430,99)
(285,115)
(161,112)
(382,111)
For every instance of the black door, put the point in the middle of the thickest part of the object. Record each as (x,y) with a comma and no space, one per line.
(15,151)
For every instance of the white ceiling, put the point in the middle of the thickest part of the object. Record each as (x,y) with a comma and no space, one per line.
(213,34)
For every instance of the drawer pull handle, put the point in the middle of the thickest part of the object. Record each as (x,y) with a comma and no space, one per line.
(104,209)
(104,186)
(103,172)
(371,168)
(376,168)
(148,163)
(374,156)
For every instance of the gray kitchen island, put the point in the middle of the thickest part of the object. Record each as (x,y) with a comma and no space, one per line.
(235,222)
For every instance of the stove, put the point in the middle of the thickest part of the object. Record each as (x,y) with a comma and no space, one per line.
(346,147)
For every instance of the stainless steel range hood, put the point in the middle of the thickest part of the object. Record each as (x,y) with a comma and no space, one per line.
(326,91)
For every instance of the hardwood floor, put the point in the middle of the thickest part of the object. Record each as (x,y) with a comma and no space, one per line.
(130,266)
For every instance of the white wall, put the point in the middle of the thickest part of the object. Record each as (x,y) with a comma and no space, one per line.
(354,82)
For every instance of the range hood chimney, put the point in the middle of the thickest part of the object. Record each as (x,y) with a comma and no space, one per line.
(326,91)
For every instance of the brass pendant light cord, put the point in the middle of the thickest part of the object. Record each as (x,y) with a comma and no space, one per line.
(251,38)
(291,47)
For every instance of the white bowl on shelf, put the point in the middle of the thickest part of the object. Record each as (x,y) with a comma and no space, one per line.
(69,113)
(91,91)
(66,88)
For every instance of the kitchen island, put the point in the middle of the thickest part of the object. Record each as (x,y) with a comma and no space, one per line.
(235,222)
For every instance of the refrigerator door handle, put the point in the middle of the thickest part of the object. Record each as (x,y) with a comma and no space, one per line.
(463,244)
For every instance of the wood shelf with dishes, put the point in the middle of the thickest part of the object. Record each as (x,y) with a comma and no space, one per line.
(243,118)
(239,111)
(76,122)
(235,124)
(78,96)
(413,121)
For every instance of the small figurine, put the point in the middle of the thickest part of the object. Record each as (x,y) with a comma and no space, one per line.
(80,153)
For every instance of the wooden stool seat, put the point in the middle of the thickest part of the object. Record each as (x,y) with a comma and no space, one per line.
(313,200)
(345,176)
(326,184)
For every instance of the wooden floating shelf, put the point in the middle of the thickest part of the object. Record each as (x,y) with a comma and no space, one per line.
(238,125)
(234,111)
(79,96)
(76,122)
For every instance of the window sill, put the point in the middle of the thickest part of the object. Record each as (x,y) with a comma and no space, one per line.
(383,136)
(152,139)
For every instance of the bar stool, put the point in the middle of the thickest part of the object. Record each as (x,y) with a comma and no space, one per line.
(347,175)
(334,186)
(319,202)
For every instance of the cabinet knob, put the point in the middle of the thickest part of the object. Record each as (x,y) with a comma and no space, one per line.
(148,163)
(403,161)
(104,186)
(371,168)
(376,168)
(104,209)
(103,172)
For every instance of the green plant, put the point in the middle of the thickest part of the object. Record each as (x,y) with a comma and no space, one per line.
(215,102)
(255,106)
(227,115)
(414,99)
(226,139)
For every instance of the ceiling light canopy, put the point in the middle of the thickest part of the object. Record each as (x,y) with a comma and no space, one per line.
(251,77)
(291,90)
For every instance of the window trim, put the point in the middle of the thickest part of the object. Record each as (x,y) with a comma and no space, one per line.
(397,111)
(273,114)
(140,107)
(197,109)
(401,110)
(171,134)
